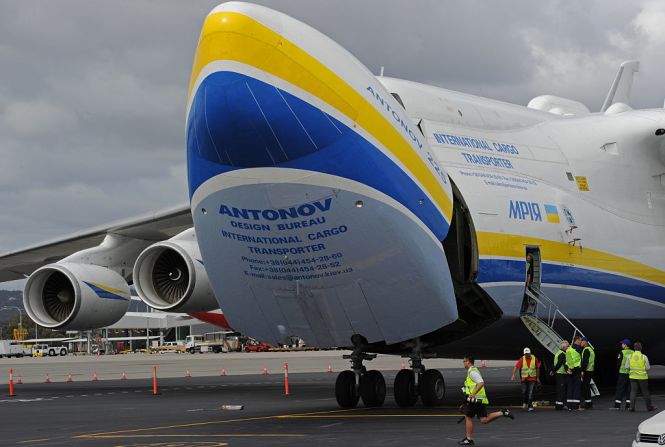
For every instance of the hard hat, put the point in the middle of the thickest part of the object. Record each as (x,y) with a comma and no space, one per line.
(625,341)
(527,351)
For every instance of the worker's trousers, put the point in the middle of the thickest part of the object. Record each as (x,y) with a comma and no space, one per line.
(643,385)
(561,388)
(586,389)
(574,388)
(622,391)
(527,392)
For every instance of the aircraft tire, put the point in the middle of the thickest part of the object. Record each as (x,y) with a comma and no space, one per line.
(432,388)
(405,390)
(346,391)
(373,388)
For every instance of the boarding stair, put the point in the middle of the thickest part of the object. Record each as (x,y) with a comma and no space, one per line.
(539,314)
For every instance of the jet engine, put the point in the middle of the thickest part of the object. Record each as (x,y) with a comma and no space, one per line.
(75,296)
(170,276)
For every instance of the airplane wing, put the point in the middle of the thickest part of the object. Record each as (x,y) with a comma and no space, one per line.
(46,340)
(150,227)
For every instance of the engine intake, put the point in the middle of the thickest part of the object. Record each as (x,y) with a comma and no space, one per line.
(169,276)
(75,296)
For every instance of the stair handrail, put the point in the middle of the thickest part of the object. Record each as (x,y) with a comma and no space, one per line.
(552,310)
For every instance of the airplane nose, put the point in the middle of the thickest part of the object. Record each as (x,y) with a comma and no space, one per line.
(238,120)
(269,91)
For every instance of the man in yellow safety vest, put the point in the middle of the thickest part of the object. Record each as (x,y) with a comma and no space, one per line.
(573,363)
(476,401)
(623,382)
(638,365)
(529,367)
(560,375)
(588,366)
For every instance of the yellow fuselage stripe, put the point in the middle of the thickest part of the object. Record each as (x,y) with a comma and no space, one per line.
(237,37)
(513,246)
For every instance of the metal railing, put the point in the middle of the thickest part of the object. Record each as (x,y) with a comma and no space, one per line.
(545,303)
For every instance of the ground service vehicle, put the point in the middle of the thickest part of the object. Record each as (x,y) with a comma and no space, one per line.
(10,348)
(212,342)
(44,350)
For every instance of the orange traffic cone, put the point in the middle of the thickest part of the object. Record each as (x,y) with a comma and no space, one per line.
(94,377)
(223,372)
(124,376)
(69,378)
(265,371)
(48,379)
(188,375)
(330,369)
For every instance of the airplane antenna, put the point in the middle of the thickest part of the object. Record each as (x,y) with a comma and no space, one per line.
(382,69)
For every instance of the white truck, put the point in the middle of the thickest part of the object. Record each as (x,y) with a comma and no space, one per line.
(43,350)
(212,342)
(11,348)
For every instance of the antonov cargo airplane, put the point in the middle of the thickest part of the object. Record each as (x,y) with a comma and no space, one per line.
(383,215)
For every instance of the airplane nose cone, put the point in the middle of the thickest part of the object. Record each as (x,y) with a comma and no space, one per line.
(235,119)
(268,91)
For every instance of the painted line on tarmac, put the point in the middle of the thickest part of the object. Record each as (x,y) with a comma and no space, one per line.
(198,435)
(388,415)
(197,424)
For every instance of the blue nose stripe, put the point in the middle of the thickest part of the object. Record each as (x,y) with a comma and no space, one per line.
(236,121)
(242,122)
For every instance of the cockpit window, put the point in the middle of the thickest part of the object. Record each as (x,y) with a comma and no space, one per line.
(399,100)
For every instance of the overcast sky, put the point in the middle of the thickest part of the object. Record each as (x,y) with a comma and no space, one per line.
(92,94)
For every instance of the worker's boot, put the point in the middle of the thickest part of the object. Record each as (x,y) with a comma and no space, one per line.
(651,408)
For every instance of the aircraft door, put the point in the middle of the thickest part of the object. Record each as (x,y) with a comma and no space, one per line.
(533,268)
(532,278)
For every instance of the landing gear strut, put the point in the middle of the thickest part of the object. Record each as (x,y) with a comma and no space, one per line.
(417,381)
(358,382)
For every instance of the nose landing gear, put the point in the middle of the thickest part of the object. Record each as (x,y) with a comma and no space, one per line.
(417,381)
(359,383)
(370,386)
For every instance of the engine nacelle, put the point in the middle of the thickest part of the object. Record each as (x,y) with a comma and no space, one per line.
(170,276)
(75,296)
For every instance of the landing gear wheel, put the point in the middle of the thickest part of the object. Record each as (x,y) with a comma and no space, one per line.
(345,389)
(432,388)
(406,393)
(373,388)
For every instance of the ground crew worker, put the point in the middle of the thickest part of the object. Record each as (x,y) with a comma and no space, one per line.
(476,398)
(587,366)
(573,363)
(529,270)
(638,364)
(623,382)
(529,367)
(560,375)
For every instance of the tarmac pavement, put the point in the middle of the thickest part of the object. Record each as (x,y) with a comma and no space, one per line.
(187,412)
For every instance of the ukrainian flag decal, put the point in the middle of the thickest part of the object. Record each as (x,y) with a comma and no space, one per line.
(552,213)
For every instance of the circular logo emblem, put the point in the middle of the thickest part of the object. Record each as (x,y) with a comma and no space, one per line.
(661,439)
